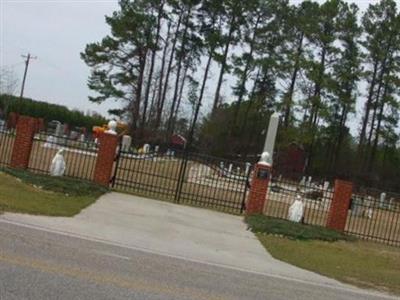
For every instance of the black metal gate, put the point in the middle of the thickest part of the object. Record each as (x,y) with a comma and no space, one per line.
(184,177)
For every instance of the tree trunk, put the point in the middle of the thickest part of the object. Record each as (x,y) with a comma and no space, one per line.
(244,125)
(380,81)
(175,116)
(138,94)
(242,85)
(367,109)
(171,58)
(378,128)
(223,63)
(160,85)
(316,102)
(178,74)
(288,98)
(317,91)
(196,113)
(152,61)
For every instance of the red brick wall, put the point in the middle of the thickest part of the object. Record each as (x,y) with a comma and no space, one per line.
(258,191)
(105,158)
(340,205)
(23,142)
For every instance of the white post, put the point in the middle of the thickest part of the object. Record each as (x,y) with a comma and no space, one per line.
(248,165)
(271,135)
(382,199)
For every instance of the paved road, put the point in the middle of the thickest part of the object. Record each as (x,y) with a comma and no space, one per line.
(37,264)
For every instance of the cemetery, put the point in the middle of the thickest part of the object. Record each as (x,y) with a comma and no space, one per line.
(201,180)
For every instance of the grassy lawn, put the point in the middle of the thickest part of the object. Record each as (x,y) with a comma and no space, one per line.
(364,264)
(25,192)
(264,224)
(360,263)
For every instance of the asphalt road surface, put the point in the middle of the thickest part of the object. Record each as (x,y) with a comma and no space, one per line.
(36,264)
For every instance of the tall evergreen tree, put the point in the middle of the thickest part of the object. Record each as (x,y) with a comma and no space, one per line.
(118,62)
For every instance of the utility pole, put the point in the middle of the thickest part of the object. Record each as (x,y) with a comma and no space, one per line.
(28,58)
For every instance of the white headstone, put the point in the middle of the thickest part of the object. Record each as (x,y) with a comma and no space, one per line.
(230,168)
(57,167)
(248,166)
(50,142)
(59,129)
(382,199)
(390,203)
(303,180)
(296,210)
(126,143)
(309,180)
(271,136)
(156,148)
(326,185)
(146,148)
(82,138)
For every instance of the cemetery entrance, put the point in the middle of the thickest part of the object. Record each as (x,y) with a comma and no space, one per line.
(184,177)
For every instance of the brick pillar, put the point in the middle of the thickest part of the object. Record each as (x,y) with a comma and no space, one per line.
(340,204)
(23,142)
(12,120)
(105,158)
(258,190)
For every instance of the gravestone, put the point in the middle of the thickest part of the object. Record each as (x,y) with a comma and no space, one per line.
(57,167)
(146,148)
(382,200)
(59,130)
(126,143)
(357,206)
(390,203)
(248,166)
(73,135)
(326,185)
(50,142)
(303,181)
(230,168)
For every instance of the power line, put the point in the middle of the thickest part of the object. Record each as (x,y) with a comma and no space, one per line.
(28,58)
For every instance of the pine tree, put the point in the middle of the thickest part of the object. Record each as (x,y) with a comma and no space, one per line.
(118,62)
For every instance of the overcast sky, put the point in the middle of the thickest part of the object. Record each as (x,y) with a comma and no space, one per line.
(56,31)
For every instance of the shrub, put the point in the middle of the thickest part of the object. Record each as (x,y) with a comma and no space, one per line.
(264,224)
(64,185)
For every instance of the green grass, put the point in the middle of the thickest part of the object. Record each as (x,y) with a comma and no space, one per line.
(24,192)
(63,185)
(264,224)
(365,264)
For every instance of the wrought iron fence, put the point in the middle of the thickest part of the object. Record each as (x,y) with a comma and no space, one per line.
(213,182)
(183,177)
(375,216)
(80,156)
(7,137)
(316,197)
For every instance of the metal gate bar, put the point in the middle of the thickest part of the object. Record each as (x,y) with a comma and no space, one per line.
(183,177)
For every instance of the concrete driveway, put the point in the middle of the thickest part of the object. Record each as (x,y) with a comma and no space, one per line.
(179,231)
